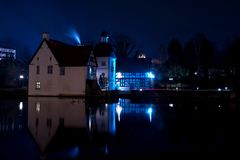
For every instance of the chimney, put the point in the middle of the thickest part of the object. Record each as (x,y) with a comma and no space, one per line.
(45,36)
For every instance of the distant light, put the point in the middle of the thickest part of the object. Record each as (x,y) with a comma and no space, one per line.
(170,79)
(149,111)
(176,88)
(219,106)
(119,75)
(21,76)
(21,106)
(142,56)
(197,88)
(170,105)
(119,110)
(219,89)
(106,105)
(150,75)
(195,73)
(226,88)
(140,90)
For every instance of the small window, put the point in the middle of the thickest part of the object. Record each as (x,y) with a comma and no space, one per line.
(103,63)
(50,58)
(37,58)
(38,70)
(38,85)
(62,70)
(50,69)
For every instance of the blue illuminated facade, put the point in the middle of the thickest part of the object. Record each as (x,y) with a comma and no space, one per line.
(134,74)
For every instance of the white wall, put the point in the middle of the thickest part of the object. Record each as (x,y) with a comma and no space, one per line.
(72,83)
(102,69)
(107,70)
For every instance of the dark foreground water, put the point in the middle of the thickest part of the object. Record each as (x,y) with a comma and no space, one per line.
(53,128)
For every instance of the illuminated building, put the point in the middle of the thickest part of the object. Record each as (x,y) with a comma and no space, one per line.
(106,61)
(7,53)
(134,74)
(60,69)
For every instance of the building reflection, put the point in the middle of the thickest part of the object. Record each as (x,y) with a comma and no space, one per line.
(11,116)
(54,121)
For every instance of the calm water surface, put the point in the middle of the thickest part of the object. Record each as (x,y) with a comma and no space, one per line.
(53,128)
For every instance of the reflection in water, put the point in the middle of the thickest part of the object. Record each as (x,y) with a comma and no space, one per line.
(91,129)
(49,117)
(11,117)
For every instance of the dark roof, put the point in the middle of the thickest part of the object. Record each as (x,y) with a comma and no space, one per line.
(133,64)
(103,49)
(68,55)
(104,34)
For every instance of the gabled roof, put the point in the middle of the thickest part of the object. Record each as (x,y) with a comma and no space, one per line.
(103,49)
(68,55)
(133,64)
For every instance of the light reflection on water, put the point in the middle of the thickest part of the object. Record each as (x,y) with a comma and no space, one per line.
(72,127)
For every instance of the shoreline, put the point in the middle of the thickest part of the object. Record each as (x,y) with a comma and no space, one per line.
(177,94)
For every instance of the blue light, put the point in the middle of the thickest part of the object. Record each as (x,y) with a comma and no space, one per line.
(150,75)
(74,152)
(149,111)
(74,34)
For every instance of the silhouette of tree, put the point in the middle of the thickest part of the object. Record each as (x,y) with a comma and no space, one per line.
(199,53)
(124,45)
(175,51)
(232,61)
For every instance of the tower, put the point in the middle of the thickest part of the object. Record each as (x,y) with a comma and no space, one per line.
(104,37)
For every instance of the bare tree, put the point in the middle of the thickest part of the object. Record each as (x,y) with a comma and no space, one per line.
(124,45)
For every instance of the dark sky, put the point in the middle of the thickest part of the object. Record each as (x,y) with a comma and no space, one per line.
(150,23)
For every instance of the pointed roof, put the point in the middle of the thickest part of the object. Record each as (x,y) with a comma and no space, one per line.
(103,49)
(68,55)
(104,34)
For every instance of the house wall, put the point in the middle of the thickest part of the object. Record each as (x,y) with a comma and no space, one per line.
(72,83)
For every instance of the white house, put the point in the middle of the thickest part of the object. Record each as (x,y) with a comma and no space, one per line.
(106,61)
(59,69)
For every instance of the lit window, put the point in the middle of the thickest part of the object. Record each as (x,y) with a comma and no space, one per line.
(50,69)
(38,85)
(103,63)
(38,106)
(38,70)
(62,70)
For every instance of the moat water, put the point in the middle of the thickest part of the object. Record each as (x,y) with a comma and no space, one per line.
(72,128)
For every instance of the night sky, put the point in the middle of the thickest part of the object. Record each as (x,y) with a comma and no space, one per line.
(150,23)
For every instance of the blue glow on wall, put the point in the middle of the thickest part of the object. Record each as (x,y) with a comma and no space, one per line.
(150,75)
